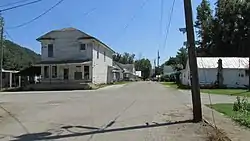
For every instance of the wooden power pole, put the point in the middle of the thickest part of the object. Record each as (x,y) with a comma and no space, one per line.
(197,112)
(1,47)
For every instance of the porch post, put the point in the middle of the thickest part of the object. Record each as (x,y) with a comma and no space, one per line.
(19,81)
(10,79)
(83,76)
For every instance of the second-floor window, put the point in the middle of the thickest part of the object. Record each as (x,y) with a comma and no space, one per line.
(104,54)
(82,47)
(98,50)
(50,50)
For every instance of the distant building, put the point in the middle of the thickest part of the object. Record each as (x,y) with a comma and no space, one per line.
(234,71)
(138,73)
(167,70)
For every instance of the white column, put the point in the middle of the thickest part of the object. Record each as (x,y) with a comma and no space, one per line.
(82,72)
(19,81)
(10,79)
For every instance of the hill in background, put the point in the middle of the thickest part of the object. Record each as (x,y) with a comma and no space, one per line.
(17,57)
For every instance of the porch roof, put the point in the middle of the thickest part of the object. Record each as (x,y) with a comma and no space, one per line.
(31,71)
(63,62)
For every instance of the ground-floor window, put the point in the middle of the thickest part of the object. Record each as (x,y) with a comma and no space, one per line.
(54,71)
(86,72)
(78,73)
(46,71)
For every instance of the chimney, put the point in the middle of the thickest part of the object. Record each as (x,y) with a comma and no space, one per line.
(220,74)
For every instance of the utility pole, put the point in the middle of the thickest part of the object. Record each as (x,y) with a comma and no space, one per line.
(158,59)
(197,112)
(1,46)
(249,72)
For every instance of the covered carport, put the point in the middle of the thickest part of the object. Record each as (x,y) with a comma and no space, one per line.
(30,75)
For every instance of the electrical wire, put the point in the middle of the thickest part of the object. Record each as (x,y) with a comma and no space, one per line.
(6,32)
(209,95)
(161,17)
(169,24)
(21,5)
(13,3)
(34,19)
(134,16)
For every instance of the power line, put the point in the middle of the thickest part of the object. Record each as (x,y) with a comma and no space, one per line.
(21,5)
(34,19)
(169,23)
(134,16)
(13,3)
(161,17)
(8,35)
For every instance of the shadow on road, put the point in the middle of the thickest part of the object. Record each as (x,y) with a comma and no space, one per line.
(49,136)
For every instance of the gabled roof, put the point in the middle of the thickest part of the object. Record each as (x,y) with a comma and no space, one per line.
(47,36)
(127,68)
(227,62)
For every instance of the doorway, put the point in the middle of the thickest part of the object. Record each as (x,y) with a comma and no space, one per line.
(65,74)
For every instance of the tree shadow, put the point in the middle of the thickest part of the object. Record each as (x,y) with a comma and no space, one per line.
(49,136)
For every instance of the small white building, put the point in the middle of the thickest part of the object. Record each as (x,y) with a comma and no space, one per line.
(70,55)
(138,74)
(234,71)
(167,70)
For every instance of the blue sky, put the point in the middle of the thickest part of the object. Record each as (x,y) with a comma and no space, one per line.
(105,20)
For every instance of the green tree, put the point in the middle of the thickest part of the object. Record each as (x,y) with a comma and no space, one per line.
(179,61)
(204,23)
(181,57)
(125,58)
(171,61)
(143,65)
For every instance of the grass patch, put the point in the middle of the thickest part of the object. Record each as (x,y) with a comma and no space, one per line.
(170,84)
(240,117)
(121,82)
(225,108)
(232,92)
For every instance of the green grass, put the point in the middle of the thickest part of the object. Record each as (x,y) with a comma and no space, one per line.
(232,92)
(170,84)
(121,82)
(224,108)
(238,117)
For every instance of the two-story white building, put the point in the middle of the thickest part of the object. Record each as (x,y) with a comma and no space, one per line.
(70,55)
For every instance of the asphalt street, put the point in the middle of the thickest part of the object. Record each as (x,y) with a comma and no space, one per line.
(140,111)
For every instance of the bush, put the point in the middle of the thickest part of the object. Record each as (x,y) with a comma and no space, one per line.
(241,110)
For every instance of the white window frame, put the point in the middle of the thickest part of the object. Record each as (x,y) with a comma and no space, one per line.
(98,51)
(104,54)
(84,45)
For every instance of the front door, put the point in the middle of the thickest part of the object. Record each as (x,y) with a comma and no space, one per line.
(65,74)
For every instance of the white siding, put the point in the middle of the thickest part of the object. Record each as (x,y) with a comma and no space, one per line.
(100,67)
(65,46)
(60,75)
(235,77)
(207,76)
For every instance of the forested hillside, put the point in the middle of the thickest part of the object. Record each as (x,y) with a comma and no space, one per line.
(17,57)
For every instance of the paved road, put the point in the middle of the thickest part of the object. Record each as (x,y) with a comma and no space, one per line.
(141,111)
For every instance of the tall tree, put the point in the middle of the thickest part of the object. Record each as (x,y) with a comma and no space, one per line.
(143,65)
(179,61)
(125,58)
(204,23)
(182,57)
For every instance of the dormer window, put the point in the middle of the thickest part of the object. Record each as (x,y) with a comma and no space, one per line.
(82,47)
